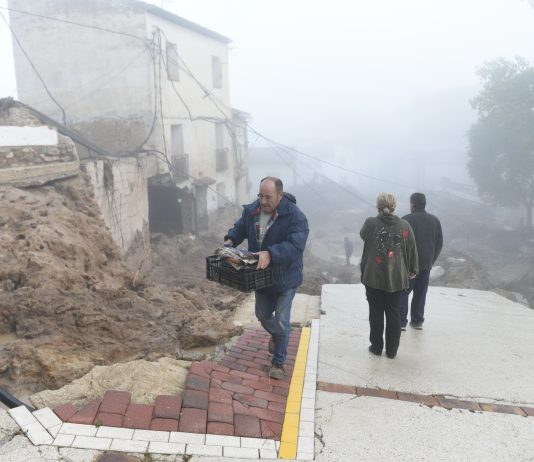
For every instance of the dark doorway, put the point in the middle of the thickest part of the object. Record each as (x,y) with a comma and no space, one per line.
(164,207)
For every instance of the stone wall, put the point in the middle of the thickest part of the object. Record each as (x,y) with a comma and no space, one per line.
(36,164)
(122,195)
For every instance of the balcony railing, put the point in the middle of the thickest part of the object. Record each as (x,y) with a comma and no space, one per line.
(221,159)
(180,167)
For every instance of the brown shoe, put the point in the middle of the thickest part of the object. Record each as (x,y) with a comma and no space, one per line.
(277,372)
(271,345)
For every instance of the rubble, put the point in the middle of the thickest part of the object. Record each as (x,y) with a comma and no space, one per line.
(67,299)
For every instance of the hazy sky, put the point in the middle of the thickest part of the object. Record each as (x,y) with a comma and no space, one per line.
(361,74)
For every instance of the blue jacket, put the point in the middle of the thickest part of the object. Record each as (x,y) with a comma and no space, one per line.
(285,240)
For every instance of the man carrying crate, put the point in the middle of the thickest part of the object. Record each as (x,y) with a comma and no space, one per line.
(276,230)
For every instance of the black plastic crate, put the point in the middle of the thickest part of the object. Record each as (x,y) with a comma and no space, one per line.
(244,279)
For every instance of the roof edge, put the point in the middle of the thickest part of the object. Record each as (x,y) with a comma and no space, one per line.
(157,11)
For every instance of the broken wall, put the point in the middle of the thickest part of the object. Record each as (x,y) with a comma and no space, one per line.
(121,193)
(32,154)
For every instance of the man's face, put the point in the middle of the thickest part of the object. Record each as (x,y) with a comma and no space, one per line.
(269,198)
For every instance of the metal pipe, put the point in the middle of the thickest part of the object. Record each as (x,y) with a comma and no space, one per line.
(10,401)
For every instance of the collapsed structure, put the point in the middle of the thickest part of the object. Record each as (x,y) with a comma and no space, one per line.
(148,91)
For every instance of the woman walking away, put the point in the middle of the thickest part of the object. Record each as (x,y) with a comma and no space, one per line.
(389,260)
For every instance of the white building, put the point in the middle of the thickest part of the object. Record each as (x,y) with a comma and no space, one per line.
(134,78)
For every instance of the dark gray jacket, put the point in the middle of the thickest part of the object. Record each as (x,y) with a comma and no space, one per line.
(428,237)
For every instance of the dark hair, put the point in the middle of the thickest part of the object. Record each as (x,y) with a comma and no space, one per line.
(277,183)
(418,200)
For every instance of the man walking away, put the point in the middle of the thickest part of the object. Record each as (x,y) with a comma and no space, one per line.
(429,240)
(277,232)
(349,247)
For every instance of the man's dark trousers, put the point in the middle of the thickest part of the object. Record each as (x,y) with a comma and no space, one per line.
(380,303)
(419,285)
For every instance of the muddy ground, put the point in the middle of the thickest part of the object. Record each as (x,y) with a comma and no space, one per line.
(69,300)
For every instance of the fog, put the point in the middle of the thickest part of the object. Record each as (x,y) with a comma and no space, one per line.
(375,86)
(382,88)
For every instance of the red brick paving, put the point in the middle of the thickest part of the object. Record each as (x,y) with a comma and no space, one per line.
(196,399)
(196,382)
(236,397)
(87,414)
(458,404)
(167,425)
(65,411)
(428,400)
(220,396)
(193,420)
(247,425)
(218,428)
(503,408)
(138,416)
(109,420)
(220,413)
(168,407)
(232,397)
(115,402)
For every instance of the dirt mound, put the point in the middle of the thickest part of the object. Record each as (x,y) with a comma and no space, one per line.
(67,300)
(54,237)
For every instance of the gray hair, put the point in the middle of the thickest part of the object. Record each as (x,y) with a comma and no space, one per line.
(386,203)
(277,183)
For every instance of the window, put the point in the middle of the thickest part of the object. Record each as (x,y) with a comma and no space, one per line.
(172,62)
(217,72)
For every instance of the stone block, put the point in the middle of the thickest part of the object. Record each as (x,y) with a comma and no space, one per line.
(195,399)
(168,407)
(193,420)
(247,425)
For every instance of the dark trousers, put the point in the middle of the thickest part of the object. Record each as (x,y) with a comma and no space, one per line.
(384,303)
(419,285)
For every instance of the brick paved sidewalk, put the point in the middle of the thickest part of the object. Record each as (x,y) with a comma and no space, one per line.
(233,397)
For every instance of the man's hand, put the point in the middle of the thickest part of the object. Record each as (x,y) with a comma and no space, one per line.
(229,242)
(264,259)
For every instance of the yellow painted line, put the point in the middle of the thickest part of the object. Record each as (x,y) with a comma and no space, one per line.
(290,429)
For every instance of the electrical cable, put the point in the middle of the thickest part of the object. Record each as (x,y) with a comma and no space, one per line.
(64,116)
(88,26)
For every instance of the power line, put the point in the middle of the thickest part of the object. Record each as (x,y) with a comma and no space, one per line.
(326,162)
(88,26)
(35,69)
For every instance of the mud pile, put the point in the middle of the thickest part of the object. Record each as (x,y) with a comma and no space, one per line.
(67,300)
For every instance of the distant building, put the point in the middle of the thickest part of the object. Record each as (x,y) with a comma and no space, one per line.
(134,78)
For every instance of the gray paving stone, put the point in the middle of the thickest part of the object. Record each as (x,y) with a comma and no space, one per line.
(258,443)
(115,432)
(90,442)
(63,440)
(128,446)
(242,453)
(78,429)
(187,438)
(166,448)
(203,450)
(47,417)
(38,434)
(268,454)
(223,440)
(22,416)
(151,435)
